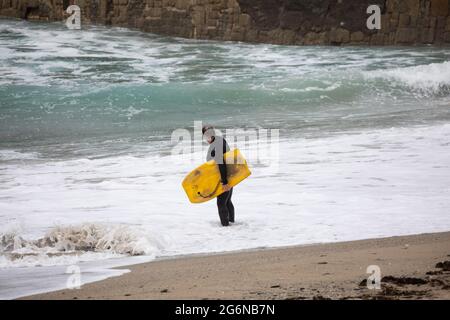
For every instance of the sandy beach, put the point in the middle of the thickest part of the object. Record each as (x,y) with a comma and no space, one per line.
(412,267)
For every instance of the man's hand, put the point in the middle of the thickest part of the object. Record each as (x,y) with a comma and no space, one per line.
(226,187)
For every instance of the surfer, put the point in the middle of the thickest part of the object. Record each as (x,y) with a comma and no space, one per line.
(217,148)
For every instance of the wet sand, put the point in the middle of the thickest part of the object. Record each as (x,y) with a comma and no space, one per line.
(323,271)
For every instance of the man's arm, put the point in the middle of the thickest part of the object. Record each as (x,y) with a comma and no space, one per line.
(222,166)
(223,173)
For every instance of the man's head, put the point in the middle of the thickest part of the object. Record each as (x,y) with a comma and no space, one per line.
(208,133)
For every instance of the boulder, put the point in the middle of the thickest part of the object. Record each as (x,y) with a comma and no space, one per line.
(357,36)
(340,35)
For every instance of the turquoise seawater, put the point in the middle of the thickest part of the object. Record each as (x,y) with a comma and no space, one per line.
(69,93)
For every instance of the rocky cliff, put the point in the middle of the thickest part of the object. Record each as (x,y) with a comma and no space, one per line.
(335,22)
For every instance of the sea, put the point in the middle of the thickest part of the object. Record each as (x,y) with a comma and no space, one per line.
(99,126)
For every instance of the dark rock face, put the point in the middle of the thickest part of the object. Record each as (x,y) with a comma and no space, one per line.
(309,15)
(301,22)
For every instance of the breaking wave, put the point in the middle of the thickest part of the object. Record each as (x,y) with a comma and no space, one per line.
(9,155)
(430,79)
(69,244)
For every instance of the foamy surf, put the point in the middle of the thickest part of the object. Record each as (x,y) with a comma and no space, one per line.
(13,155)
(65,245)
(428,79)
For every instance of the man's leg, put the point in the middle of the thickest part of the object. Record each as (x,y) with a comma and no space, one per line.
(223,209)
(230,207)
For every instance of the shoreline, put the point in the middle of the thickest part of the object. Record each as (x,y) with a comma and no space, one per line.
(252,22)
(318,271)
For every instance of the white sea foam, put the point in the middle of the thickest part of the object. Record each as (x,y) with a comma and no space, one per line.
(325,190)
(431,78)
(71,244)
(107,55)
(352,186)
(7,155)
(331,87)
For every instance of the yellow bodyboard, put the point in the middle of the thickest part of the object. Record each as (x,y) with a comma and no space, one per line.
(203,183)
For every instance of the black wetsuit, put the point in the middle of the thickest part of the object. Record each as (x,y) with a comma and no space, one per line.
(216,151)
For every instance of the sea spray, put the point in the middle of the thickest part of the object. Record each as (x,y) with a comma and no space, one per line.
(425,80)
(78,240)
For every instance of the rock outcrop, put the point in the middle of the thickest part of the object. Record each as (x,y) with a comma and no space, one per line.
(298,22)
